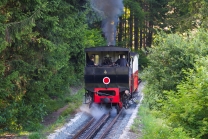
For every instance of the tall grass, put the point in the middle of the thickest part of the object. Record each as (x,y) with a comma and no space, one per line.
(156,128)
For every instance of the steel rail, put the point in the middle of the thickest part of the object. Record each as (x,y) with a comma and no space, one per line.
(83,129)
(91,132)
(110,125)
(96,127)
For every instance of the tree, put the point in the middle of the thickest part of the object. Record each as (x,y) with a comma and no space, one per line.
(130,24)
(41,56)
(188,14)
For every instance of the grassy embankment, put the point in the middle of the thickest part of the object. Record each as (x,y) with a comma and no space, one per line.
(71,104)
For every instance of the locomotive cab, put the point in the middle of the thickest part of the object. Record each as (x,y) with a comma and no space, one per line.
(108,81)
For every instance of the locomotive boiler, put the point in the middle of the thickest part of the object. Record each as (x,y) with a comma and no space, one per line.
(108,79)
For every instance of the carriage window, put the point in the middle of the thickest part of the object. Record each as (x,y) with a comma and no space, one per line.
(107,60)
(92,59)
(97,59)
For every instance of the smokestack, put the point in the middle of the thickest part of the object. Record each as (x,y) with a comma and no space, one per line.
(109,10)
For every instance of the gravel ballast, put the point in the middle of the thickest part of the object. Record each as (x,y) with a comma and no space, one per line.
(119,131)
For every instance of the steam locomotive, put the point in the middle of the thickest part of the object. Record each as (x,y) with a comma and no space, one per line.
(107,82)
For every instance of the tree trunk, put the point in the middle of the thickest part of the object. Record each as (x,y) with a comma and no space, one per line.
(131,30)
(140,36)
(125,28)
(150,32)
(136,33)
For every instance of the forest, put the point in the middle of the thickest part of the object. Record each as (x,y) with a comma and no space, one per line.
(42,46)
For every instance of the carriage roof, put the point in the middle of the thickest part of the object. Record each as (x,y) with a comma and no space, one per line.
(106,49)
(133,54)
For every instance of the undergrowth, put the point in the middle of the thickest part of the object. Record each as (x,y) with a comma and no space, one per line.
(156,128)
(73,102)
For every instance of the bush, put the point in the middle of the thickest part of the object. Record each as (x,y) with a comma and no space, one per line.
(187,107)
(143,61)
(170,55)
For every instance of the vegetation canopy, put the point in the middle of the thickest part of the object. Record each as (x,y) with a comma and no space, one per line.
(176,80)
(41,54)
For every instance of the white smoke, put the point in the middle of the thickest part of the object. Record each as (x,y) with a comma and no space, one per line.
(97,111)
(109,10)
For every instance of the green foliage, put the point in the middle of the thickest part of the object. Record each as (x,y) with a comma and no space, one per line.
(135,8)
(34,136)
(135,126)
(187,107)
(187,15)
(171,54)
(143,61)
(155,128)
(41,56)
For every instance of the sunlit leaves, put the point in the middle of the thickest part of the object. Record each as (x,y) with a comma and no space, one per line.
(171,54)
(187,107)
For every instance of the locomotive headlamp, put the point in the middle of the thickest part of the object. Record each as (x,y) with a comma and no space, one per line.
(106,80)
(127,92)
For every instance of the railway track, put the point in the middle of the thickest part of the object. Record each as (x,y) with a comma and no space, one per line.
(77,126)
(89,130)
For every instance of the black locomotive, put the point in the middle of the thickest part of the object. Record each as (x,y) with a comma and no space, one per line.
(111,75)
